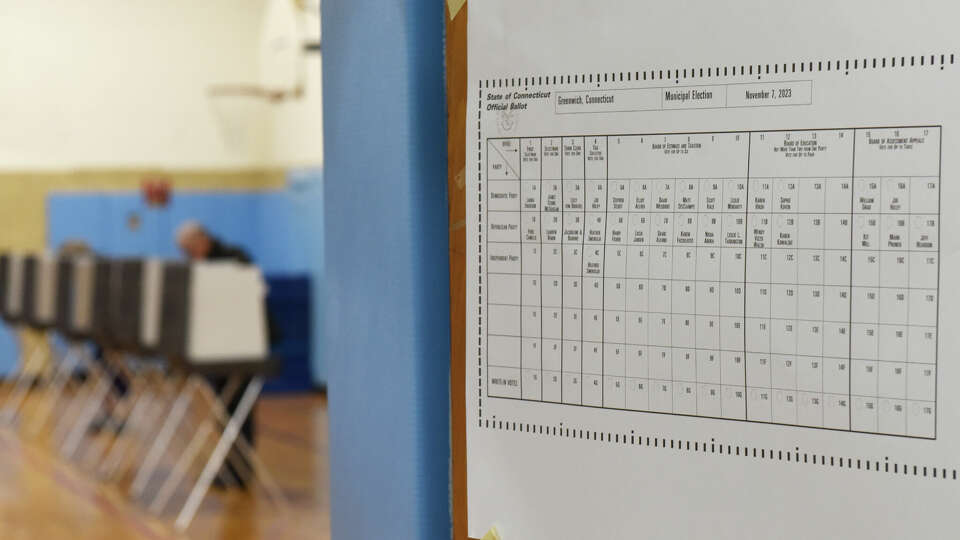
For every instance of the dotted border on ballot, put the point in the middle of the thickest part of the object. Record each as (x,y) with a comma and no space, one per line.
(480,244)
(845,67)
(712,446)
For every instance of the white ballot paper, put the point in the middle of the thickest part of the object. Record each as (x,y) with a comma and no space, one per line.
(713,282)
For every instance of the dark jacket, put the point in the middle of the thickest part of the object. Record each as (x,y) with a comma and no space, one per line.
(224,252)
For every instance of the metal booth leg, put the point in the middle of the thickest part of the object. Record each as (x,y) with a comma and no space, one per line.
(247,453)
(141,415)
(192,450)
(152,460)
(180,468)
(219,454)
(75,404)
(64,371)
(22,385)
(121,365)
(86,416)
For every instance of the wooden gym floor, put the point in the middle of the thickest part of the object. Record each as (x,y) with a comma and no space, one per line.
(42,496)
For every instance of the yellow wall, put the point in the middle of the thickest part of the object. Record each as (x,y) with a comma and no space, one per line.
(23,195)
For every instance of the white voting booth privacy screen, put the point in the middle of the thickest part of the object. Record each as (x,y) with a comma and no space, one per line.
(227,317)
(712,260)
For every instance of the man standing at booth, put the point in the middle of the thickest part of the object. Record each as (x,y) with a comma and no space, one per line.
(199,245)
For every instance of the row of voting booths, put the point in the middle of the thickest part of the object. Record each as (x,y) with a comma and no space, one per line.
(138,341)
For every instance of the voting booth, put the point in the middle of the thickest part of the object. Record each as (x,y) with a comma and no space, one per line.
(199,319)
(151,304)
(75,312)
(125,303)
(102,283)
(214,317)
(11,287)
(40,291)
(30,290)
(214,322)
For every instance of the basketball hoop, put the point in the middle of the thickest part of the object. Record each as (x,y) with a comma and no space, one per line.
(242,110)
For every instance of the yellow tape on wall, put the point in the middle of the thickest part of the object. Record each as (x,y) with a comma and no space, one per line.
(23,195)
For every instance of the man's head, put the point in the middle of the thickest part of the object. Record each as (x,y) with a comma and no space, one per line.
(193,240)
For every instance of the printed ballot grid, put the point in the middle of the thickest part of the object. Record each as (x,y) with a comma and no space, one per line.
(788,277)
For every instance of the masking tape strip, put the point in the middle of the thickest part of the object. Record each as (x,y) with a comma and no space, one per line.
(454,6)
(492,534)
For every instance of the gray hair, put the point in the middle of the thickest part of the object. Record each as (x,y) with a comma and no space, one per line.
(187,229)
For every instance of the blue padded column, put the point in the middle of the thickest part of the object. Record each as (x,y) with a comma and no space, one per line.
(386,294)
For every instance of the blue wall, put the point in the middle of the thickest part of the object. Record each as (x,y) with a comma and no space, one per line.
(305,193)
(387,290)
(264,223)
(282,230)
